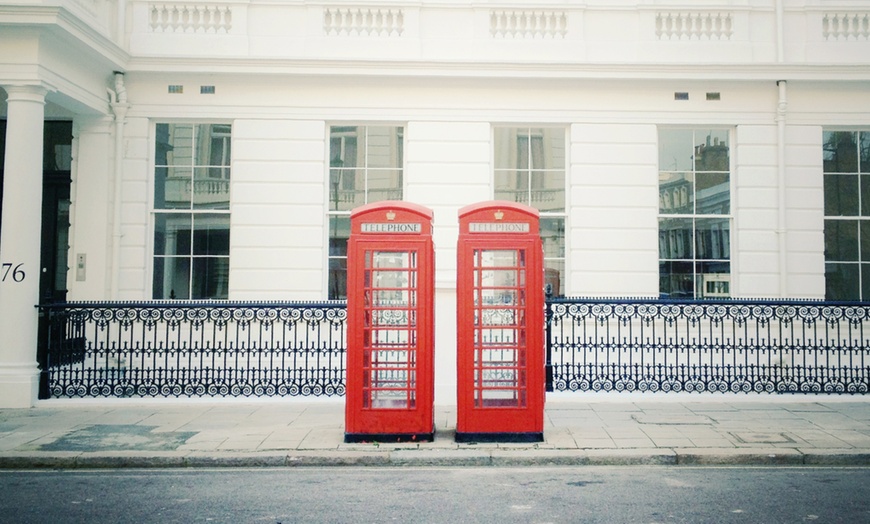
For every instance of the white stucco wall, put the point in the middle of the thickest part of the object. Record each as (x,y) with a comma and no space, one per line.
(278,248)
(278,213)
(613,219)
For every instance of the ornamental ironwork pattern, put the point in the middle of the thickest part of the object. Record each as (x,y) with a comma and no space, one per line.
(708,346)
(192,349)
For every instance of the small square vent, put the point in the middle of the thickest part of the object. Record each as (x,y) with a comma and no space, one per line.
(680,95)
(206,90)
(176,89)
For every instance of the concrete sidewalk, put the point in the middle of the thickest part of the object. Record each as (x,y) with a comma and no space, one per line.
(623,429)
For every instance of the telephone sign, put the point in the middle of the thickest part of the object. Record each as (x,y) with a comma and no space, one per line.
(390,383)
(500,324)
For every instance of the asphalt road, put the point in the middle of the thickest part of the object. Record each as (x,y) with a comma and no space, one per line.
(608,494)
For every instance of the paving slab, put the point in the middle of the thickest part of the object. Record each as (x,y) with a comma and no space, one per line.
(652,430)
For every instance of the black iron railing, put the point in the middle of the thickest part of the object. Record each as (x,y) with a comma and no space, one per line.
(697,346)
(192,349)
(195,349)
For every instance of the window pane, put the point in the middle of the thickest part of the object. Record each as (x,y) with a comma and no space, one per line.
(841,195)
(210,277)
(714,280)
(865,196)
(211,188)
(213,144)
(711,151)
(713,193)
(179,143)
(162,145)
(507,154)
(864,146)
(676,193)
(511,186)
(383,147)
(337,278)
(172,187)
(171,278)
(211,235)
(841,240)
(553,236)
(554,148)
(840,152)
(345,193)
(864,231)
(343,150)
(675,150)
(676,280)
(339,232)
(548,191)
(713,238)
(172,234)
(384,184)
(675,238)
(554,269)
(841,281)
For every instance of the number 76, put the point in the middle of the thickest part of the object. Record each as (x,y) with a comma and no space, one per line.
(10,270)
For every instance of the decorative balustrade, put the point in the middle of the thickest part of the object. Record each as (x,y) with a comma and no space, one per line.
(363,21)
(528,24)
(190,18)
(708,346)
(846,26)
(192,349)
(693,26)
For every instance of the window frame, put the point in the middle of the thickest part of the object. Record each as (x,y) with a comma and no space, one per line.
(224,173)
(722,283)
(537,183)
(332,192)
(860,217)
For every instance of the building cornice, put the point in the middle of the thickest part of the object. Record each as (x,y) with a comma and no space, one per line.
(62,23)
(503,70)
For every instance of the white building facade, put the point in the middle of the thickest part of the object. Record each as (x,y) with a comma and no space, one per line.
(216,148)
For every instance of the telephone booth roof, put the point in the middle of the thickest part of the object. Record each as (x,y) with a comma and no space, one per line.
(488,216)
(513,208)
(392,211)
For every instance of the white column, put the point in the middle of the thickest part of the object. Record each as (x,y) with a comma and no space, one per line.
(20,246)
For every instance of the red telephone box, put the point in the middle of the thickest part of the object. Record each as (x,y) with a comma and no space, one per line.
(500,324)
(390,294)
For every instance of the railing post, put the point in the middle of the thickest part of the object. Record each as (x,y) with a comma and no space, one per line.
(42,351)
(548,337)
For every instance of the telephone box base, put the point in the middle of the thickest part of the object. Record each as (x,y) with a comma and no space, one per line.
(499,437)
(350,438)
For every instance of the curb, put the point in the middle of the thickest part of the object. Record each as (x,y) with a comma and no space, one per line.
(438,458)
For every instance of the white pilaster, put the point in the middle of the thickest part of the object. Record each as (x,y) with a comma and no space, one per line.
(20,246)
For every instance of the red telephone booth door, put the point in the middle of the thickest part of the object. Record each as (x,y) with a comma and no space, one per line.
(390,387)
(500,361)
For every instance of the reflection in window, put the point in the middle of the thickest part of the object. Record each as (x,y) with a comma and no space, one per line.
(694,213)
(191,211)
(365,166)
(529,168)
(846,164)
